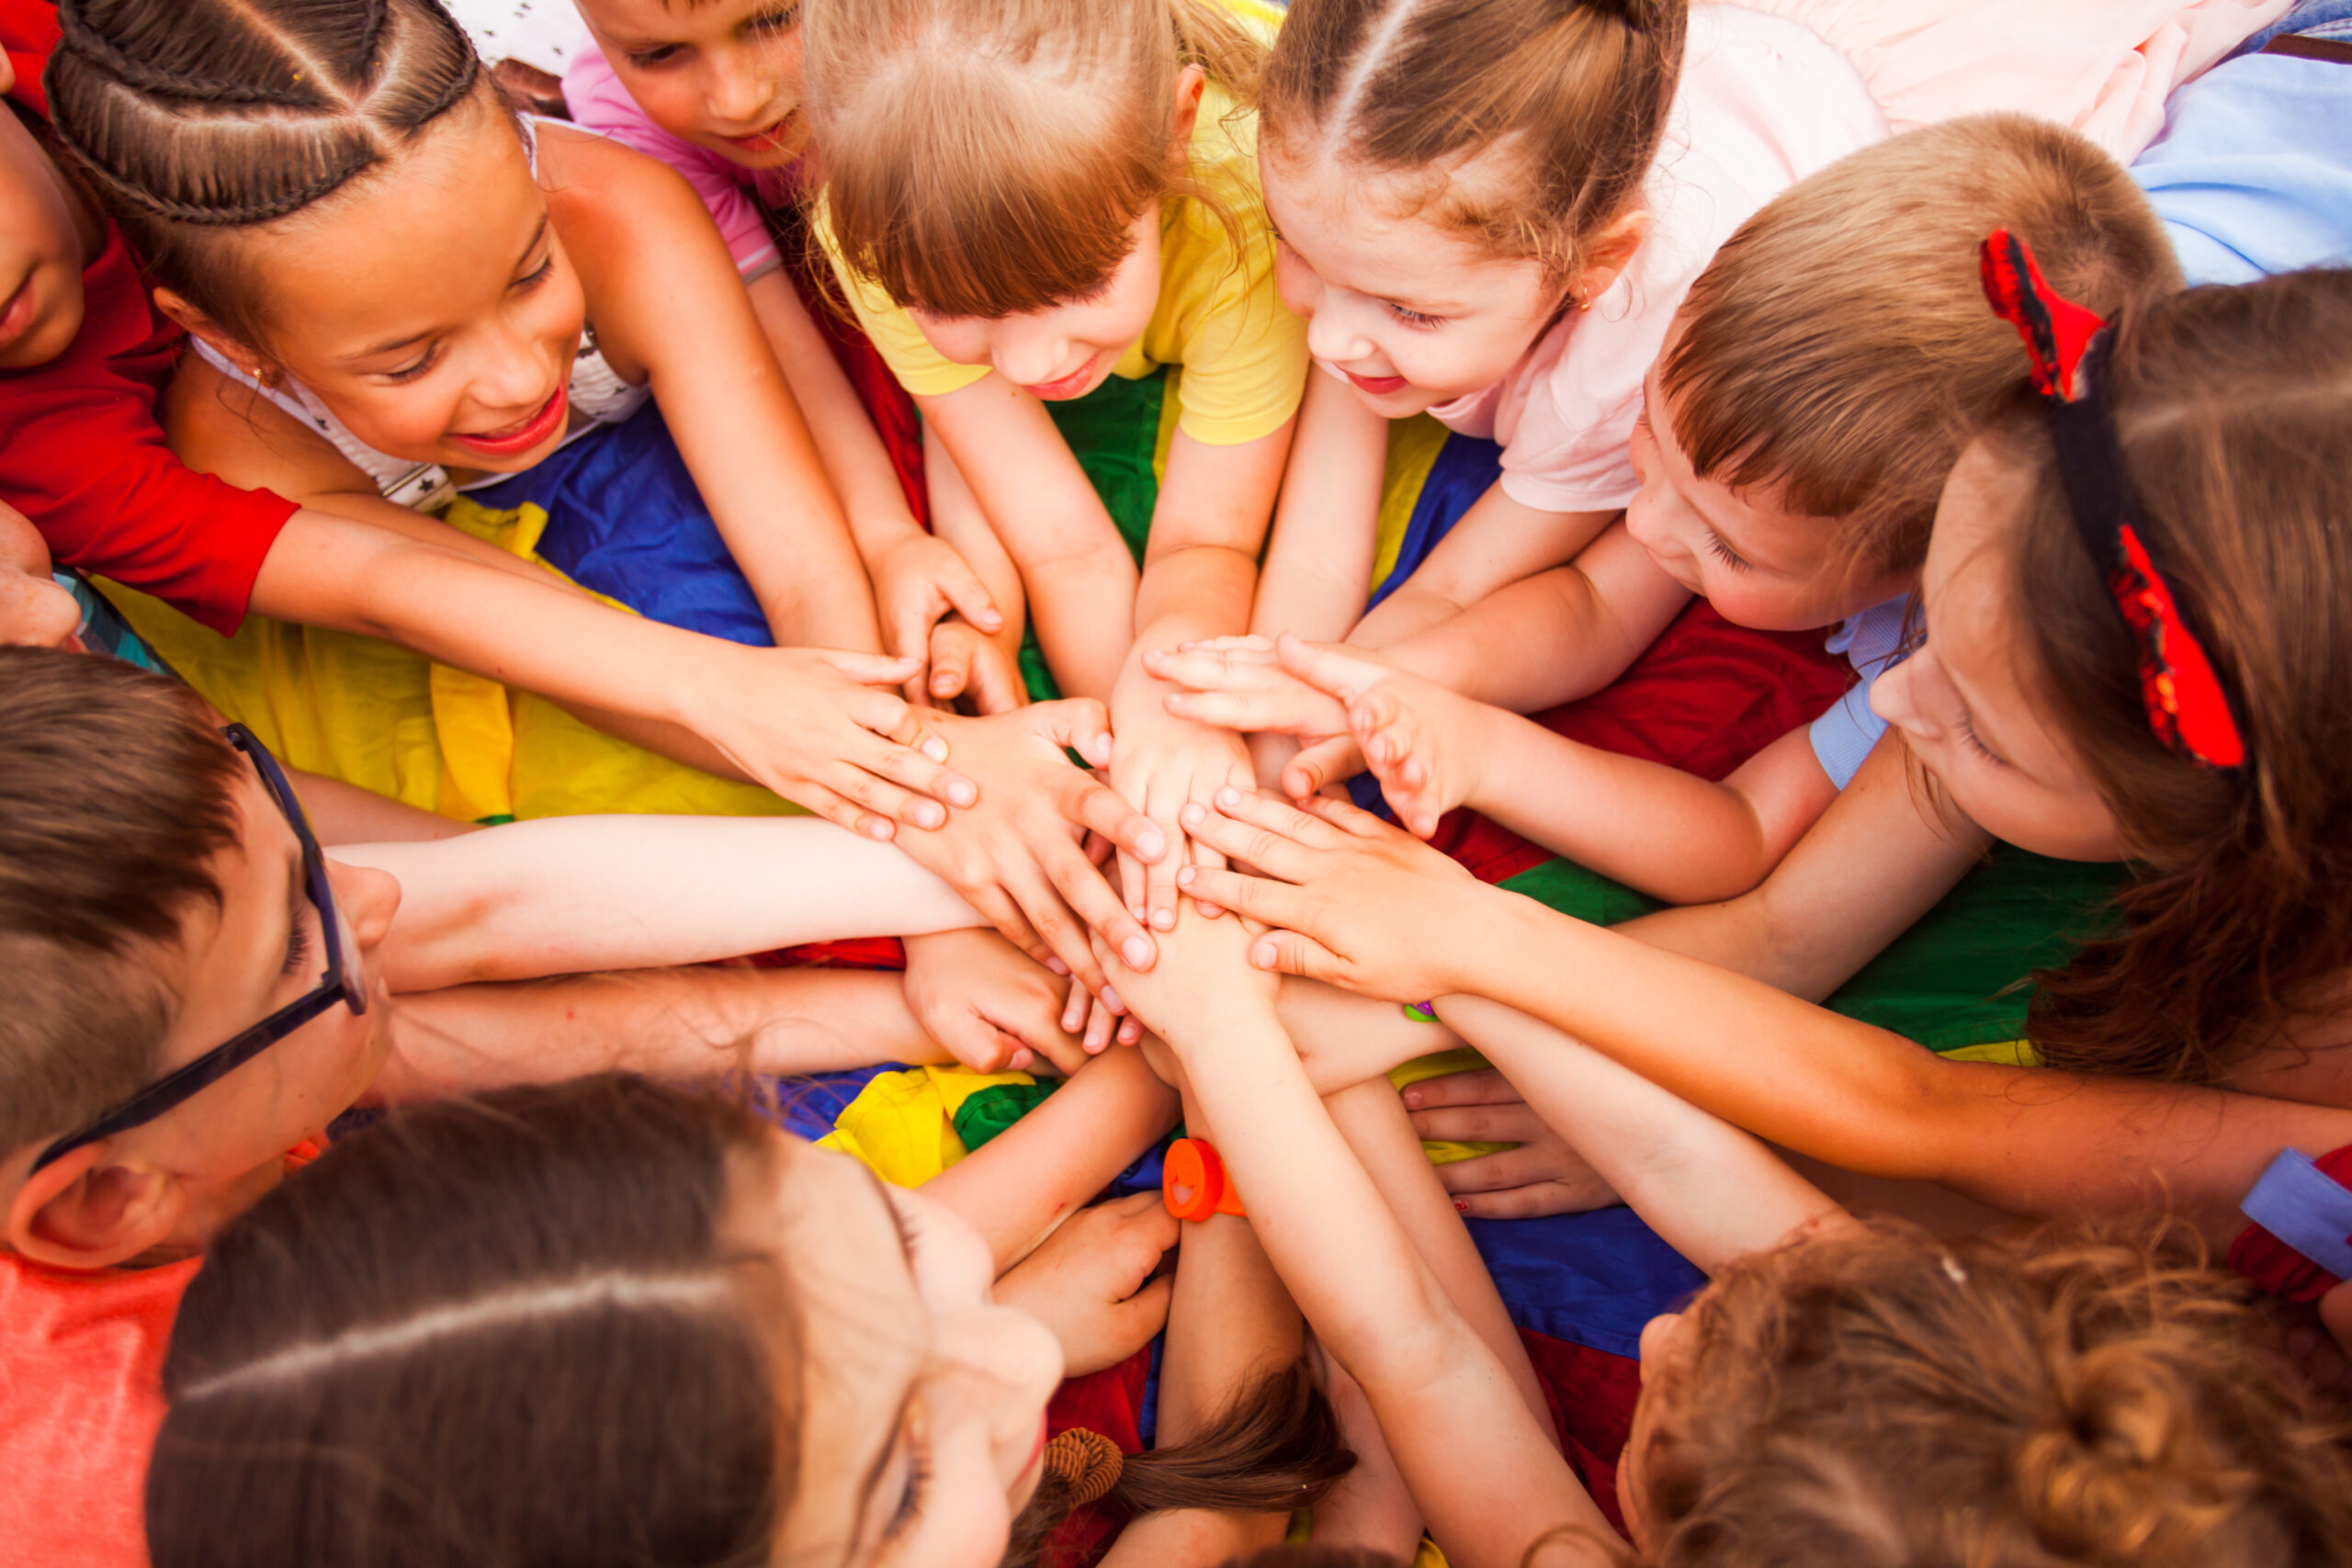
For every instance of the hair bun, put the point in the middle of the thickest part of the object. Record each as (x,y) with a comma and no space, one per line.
(2104,1465)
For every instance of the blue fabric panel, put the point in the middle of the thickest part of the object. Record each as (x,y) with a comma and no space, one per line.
(1466,468)
(1594,1280)
(807,1107)
(624,518)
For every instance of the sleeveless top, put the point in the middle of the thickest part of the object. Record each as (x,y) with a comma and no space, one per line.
(597,392)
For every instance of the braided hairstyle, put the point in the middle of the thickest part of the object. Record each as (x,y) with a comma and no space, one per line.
(193,118)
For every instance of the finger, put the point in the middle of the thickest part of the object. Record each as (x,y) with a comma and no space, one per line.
(1349,817)
(1211,669)
(1331,760)
(1507,1168)
(1099,1027)
(970,596)
(1083,888)
(1294,953)
(1274,816)
(951,659)
(1132,891)
(914,771)
(1206,857)
(974,1041)
(998,908)
(1143,1314)
(1099,809)
(908,634)
(1481,1124)
(1076,724)
(1160,886)
(1323,667)
(872,668)
(1259,898)
(1075,1007)
(1483,1085)
(1232,642)
(1531,1202)
(1130,1030)
(1062,932)
(995,682)
(1280,712)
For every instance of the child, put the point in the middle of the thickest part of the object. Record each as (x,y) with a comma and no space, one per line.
(87,463)
(1021,202)
(1856,1390)
(712,90)
(160,894)
(722,1346)
(1815,388)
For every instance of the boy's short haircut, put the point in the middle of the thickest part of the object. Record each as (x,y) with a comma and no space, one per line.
(116,795)
(1839,345)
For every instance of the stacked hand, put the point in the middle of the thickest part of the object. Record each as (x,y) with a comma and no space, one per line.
(918,582)
(1161,763)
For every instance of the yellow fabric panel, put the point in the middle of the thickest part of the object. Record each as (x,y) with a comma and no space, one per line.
(378,715)
(1218,313)
(1413,446)
(2006,1052)
(902,1125)
(1462,1059)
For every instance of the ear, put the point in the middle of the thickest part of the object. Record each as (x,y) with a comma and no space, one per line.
(199,325)
(1611,252)
(1191,83)
(87,1211)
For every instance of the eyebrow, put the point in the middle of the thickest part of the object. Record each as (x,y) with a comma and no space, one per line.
(297,894)
(392,345)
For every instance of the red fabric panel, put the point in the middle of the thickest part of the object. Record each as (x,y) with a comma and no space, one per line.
(1106,1401)
(2270,1265)
(1705,697)
(28,33)
(1592,1395)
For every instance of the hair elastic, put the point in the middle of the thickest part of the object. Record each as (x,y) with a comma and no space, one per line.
(2187,708)
(1193,1183)
(1086,1462)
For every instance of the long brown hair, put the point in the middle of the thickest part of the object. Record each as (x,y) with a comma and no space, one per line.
(1571,94)
(991,157)
(1881,1396)
(2234,410)
(194,118)
(508,1331)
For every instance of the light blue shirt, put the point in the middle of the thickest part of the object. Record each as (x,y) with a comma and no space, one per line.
(1872,643)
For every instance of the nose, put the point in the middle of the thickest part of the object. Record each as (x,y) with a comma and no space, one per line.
(1333,331)
(1894,697)
(1028,353)
(515,375)
(367,898)
(737,90)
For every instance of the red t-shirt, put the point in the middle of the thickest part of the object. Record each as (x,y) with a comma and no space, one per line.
(81,1398)
(80,451)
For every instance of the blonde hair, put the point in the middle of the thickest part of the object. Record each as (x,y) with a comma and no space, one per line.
(1879,1396)
(990,157)
(1839,346)
(1569,97)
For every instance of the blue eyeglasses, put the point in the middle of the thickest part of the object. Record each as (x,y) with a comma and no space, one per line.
(169,1091)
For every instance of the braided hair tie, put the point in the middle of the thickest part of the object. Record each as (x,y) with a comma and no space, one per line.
(1086,1464)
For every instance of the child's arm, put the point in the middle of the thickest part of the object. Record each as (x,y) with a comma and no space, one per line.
(1369,907)
(666,299)
(918,577)
(965,661)
(1030,1178)
(565,894)
(680,1023)
(1496,543)
(1478,1461)
(344,813)
(1327,522)
(992,1006)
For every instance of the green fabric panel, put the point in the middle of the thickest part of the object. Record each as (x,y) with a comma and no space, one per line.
(1112,430)
(1956,978)
(987,1111)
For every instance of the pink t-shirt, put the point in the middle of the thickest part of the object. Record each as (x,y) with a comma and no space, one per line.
(1762,104)
(733,193)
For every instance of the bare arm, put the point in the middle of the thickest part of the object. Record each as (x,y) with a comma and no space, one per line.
(1327,520)
(344,813)
(1496,543)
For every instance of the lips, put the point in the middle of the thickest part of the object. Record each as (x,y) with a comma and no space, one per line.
(766,141)
(16,315)
(1070,386)
(1375,385)
(517,439)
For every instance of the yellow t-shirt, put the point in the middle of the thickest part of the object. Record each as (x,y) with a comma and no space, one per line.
(1244,354)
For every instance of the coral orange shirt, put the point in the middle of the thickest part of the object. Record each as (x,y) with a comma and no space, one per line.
(81,1397)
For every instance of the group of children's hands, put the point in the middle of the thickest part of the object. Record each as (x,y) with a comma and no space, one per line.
(935,610)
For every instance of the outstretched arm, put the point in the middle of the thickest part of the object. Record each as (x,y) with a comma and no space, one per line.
(1497,542)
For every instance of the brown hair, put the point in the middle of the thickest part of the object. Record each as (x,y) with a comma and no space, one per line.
(1569,97)
(1878,1396)
(1838,345)
(2234,411)
(194,118)
(508,1331)
(116,797)
(988,157)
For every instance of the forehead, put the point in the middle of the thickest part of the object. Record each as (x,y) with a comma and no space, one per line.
(354,271)
(230,955)
(1367,229)
(639,20)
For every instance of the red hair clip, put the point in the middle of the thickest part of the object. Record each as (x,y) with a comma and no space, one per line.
(2187,708)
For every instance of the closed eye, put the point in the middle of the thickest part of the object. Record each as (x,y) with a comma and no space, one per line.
(1411,317)
(1725,553)
(1967,733)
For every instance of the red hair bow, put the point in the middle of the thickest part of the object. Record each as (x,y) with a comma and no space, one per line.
(2187,708)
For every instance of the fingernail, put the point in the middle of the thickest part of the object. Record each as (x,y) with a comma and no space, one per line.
(929,814)
(1184,878)
(1211,910)
(1151,844)
(1413,1100)
(1136,952)
(1163,919)
(942,684)
(1228,797)
(878,830)
(934,748)
(1461,1206)
(1111,999)
(1058,967)
(1022,1061)
(1192,816)
(1263,956)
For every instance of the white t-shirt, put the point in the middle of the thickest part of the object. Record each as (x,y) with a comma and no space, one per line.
(1762,103)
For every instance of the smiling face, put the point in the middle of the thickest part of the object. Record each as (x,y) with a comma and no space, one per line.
(1412,313)
(455,351)
(1759,563)
(1067,349)
(923,1401)
(45,241)
(1961,701)
(723,74)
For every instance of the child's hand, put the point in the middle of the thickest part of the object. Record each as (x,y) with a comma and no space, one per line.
(1359,904)
(1424,744)
(918,579)
(1015,855)
(967,662)
(1159,762)
(1543,1176)
(1237,682)
(1203,978)
(991,1005)
(1091,1283)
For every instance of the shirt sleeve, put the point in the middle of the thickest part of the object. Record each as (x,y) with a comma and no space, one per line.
(922,369)
(1244,354)
(598,102)
(1847,731)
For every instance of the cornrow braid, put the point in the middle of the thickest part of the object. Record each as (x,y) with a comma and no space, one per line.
(194,116)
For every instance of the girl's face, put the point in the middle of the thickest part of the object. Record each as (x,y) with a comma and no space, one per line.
(723,74)
(1758,562)
(923,1408)
(1411,314)
(1959,700)
(43,247)
(1065,351)
(431,307)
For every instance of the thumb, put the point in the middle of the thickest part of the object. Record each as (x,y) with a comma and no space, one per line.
(970,596)
(1330,761)
(1327,669)
(1292,953)
(1081,724)
(1142,1314)
(872,668)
